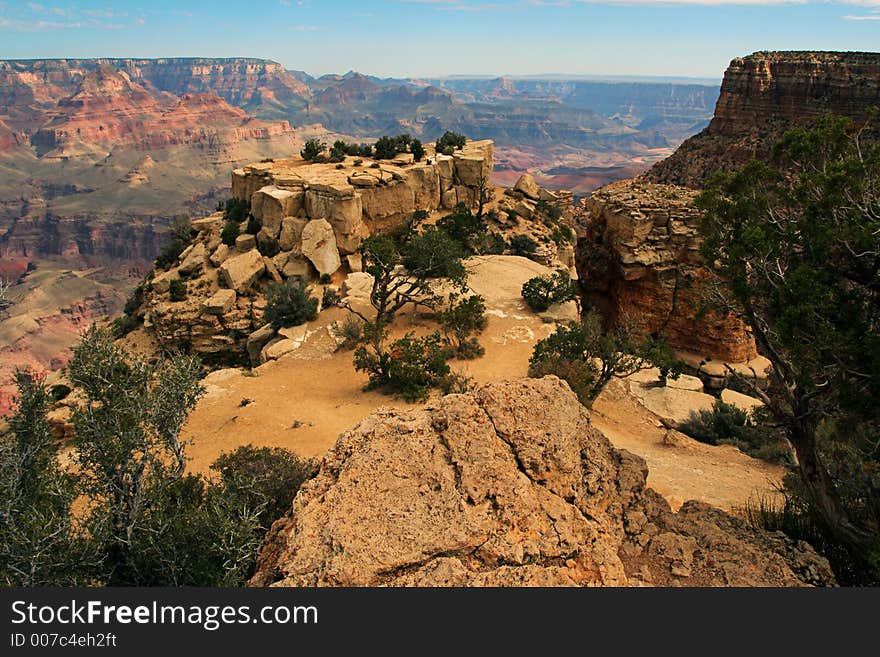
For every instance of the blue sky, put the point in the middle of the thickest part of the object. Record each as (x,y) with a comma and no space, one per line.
(442,37)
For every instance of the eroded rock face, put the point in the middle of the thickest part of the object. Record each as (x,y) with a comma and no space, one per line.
(639,262)
(763,95)
(319,246)
(508,486)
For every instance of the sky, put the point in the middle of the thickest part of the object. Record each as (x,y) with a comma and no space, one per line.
(425,38)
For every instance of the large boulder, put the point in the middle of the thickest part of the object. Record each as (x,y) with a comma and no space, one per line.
(319,246)
(270,205)
(343,208)
(291,232)
(528,187)
(508,486)
(219,303)
(242,271)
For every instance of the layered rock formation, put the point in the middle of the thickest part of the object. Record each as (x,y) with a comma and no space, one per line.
(359,200)
(109,108)
(639,262)
(765,94)
(509,486)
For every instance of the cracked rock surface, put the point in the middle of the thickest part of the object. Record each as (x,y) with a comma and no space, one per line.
(508,486)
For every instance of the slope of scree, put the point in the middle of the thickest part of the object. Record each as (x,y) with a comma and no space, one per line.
(509,486)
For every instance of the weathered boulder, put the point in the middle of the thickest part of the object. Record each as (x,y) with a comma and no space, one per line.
(270,205)
(257,340)
(528,187)
(242,271)
(219,255)
(296,266)
(245,242)
(508,486)
(343,208)
(291,232)
(394,200)
(219,303)
(319,246)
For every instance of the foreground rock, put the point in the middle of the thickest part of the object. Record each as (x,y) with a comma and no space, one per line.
(508,486)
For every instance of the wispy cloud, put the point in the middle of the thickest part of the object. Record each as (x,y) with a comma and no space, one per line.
(869,17)
(305,28)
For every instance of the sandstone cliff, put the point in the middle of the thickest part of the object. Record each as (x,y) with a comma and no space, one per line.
(765,94)
(638,261)
(509,486)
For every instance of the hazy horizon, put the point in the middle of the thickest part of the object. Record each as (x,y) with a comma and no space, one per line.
(445,38)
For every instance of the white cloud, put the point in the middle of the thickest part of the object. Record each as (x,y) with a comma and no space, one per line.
(871,17)
(305,28)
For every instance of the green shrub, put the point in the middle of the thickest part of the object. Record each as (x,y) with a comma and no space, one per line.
(253,226)
(330,298)
(289,304)
(463,227)
(312,149)
(450,142)
(461,319)
(122,326)
(587,356)
(170,253)
(352,332)
(177,290)
(408,367)
(265,478)
(433,254)
(417,150)
(523,245)
(726,424)
(549,210)
(235,210)
(230,233)
(542,292)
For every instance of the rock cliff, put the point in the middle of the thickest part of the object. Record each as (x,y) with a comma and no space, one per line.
(509,486)
(638,261)
(763,95)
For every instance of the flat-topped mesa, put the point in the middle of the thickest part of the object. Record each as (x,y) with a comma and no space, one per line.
(639,262)
(762,96)
(360,196)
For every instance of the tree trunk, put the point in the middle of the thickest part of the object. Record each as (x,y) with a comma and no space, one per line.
(861,542)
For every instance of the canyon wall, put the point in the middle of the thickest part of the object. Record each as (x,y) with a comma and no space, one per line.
(763,95)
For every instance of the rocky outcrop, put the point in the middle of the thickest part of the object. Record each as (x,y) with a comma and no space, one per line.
(639,262)
(765,94)
(359,197)
(509,486)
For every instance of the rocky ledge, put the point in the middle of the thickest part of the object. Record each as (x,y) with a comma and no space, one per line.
(509,486)
(639,261)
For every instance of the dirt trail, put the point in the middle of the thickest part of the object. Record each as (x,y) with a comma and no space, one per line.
(304,400)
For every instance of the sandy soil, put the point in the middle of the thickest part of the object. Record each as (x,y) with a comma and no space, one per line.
(304,400)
